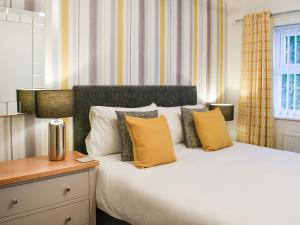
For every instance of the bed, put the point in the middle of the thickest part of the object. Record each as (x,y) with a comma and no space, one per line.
(239,185)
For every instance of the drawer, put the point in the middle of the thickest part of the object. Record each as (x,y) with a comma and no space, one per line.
(73,214)
(25,197)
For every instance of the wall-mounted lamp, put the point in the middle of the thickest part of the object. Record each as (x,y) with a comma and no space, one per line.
(226,109)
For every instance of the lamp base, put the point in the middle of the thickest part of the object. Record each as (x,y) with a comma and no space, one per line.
(57,140)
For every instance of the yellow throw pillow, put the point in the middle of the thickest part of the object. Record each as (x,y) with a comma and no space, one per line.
(151,140)
(212,130)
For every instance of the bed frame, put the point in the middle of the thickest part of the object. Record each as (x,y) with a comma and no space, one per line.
(122,96)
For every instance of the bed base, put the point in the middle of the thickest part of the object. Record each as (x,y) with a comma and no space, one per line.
(102,218)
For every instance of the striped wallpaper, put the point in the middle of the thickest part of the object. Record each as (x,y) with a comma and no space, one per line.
(159,42)
(144,42)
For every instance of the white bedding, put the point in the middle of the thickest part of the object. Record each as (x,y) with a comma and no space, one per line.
(239,185)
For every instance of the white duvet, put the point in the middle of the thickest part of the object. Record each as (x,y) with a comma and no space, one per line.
(239,185)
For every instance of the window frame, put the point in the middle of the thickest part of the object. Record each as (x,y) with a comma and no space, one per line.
(280,67)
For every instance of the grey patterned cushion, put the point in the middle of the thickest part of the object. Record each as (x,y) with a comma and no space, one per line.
(189,129)
(127,152)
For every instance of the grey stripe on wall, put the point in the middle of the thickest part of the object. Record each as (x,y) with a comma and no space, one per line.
(191,44)
(225,51)
(112,42)
(218,47)
(30,149)
(28,5)
(6,137)
(157,42)
(31,5)
(93,42)
(208,48)
(141,42)
(179,40)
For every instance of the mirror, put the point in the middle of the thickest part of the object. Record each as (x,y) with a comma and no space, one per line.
(21,55)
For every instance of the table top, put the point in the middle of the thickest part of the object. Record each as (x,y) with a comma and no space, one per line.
(15,171)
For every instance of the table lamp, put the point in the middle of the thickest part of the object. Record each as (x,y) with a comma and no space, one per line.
(226,109)
(55,104)
(25,100)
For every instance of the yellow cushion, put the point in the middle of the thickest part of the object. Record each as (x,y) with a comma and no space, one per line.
(212,130)
(151,140)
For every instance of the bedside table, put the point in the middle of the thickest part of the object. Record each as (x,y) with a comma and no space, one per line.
(38,191)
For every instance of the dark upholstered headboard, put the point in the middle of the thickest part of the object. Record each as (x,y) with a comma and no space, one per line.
(123,96)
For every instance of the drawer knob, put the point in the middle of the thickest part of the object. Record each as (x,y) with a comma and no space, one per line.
(68,219)
(14,201)
(68,188)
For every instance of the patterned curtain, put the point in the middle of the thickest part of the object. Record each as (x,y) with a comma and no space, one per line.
(255,122)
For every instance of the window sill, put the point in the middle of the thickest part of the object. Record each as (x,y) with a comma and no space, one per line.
(291,118)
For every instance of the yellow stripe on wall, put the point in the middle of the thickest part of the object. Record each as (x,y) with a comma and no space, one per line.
(221,36)
(195,75)
(120,42)
(162,42)
(64,82)
(64,43)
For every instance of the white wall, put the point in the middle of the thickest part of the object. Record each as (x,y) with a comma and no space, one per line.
(236,10)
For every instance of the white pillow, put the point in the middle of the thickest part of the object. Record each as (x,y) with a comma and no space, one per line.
(104,137)
(173,116)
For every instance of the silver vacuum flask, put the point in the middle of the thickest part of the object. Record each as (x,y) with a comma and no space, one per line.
(57,140)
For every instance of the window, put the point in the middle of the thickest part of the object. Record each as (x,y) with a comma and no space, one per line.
(286,60)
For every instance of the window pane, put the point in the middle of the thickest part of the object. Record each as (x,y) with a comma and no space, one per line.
(292,49)
(298,49)
(291,92)
(283,91)
(298,92)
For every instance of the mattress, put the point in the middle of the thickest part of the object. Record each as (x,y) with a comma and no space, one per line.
(239,185)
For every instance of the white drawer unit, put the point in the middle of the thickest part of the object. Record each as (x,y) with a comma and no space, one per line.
(42,193)
(73,214)
(38,191)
